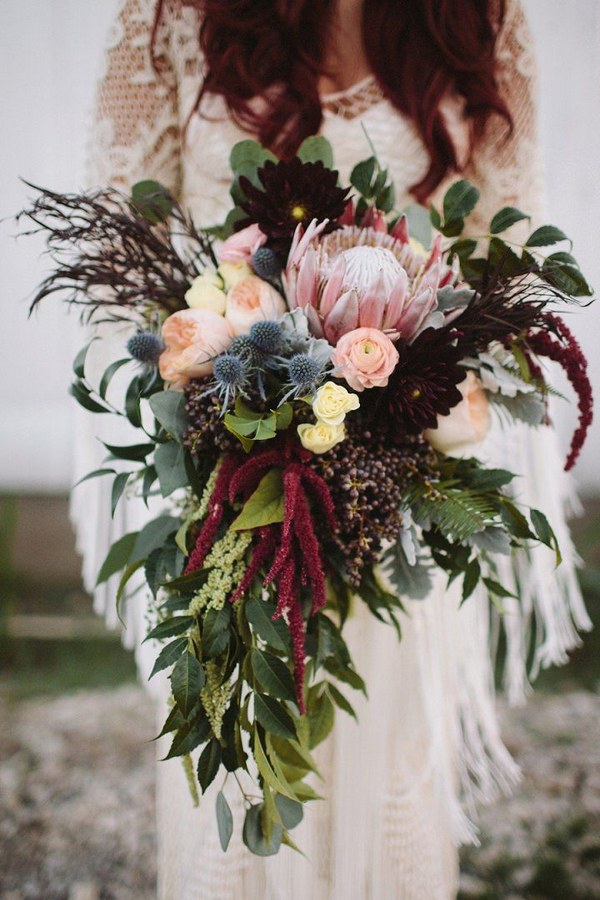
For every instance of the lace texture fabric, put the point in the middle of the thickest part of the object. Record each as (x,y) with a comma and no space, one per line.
(400,787)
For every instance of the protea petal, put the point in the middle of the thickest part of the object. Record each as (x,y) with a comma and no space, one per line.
(314,321)
(342,318)
(371,307)
(431,277)
(396,300)
(450,273)
(302,239)
(347,217)
(400,230)
(415,313)
(333,287)
(307,283)
(436,252)
(375,219)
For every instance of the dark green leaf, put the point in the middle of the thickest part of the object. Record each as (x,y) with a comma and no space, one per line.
(126,577)
(187,680)
(566,278)
(258,613)
(459,201)
(494,587)
(174,722)
(169,655)
(506,217)
(118,556)
(215,631)
(545,235)
(386,198)
(95,474)
(82,394)
(544,532)
(290,811)
(118,486)
(133,452)
(169,628)
(502,257)
(253,836)
(79,361)
(273,675)
(490,479)
(152,201)
(132,402)
(463,248)
(147,482)
(209,763)
(471,579)
(340,701)
(436,219)
(190,736)
(169,408)
(224,821)
(515,520)
(273,717)
(362,175)
(249,151)
(108,374)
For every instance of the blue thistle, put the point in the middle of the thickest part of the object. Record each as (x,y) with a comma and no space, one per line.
(229,371)
(266,263)
(245,349)
(266,335)
(303,370)
(146,347)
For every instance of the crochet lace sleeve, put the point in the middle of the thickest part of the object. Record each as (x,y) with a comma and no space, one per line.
(136,129)
(506,165)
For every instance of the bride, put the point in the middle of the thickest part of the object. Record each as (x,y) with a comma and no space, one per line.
(439,89)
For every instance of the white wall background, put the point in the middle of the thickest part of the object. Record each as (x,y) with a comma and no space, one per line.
(51,56)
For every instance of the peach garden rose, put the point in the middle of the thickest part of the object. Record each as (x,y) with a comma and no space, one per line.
(251,300)
(365,358)
(193,337)
(467,424)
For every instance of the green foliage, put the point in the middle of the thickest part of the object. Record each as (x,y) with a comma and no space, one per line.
(316,148)
(459,201)
(187,680)
(152,201)
(265,505)
(224,821)
(169,410)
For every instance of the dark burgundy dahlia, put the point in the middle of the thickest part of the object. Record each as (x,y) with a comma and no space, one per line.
(295,192)
(423,385)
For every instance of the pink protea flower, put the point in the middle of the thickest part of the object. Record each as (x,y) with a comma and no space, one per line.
(366,278)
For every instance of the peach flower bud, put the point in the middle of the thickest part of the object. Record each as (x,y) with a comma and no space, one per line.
(466,424)
(193,337)
(321,437)
(231,273)
(365,358)
(241,245)
(206,292)
(251,300)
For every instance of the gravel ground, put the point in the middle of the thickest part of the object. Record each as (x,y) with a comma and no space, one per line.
(77,802)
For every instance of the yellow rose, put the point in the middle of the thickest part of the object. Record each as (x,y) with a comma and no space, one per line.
(332,402)
(233,272)
(321,437)
(206,292)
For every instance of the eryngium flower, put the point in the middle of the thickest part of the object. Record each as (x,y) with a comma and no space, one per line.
(294,194)
(146,347)
(363,277)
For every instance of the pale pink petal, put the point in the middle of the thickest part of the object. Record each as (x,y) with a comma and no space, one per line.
(333,287)
(303,238)
(342,318)
(415,313)
(314,321)
(375,219)
(347,217)
(431,278)
(436,252)
(372,305)
(397,298)
(306,285)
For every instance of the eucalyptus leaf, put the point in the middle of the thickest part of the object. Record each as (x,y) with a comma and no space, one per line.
(169,408)
(291,811)
(152,201)
(224,821)
(169,461)
(79,361)
(253,835)
(118,486)
(362,175)
(132,452)
(316,148)
(108,375)
(82,395)
(154,534)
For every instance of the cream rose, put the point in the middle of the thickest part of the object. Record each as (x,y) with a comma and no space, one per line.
(365,358)
(193,337)
(321,437)
(232,273)
(206,292)
(332,402)
(241,245)
(467,423)
(251,300)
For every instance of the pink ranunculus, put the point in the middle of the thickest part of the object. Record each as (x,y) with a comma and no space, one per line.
(193,337)
(251,300)
(365,358)
(467,423)
(241,245)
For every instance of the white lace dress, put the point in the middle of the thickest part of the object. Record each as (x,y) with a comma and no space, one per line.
(400,786)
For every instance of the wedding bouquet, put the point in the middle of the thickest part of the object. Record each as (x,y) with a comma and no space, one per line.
(310,383)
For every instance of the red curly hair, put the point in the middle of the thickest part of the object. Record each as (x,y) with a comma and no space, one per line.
(417,49)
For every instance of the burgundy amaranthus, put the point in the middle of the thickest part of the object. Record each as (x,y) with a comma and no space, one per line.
(292,547)
(561,346)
